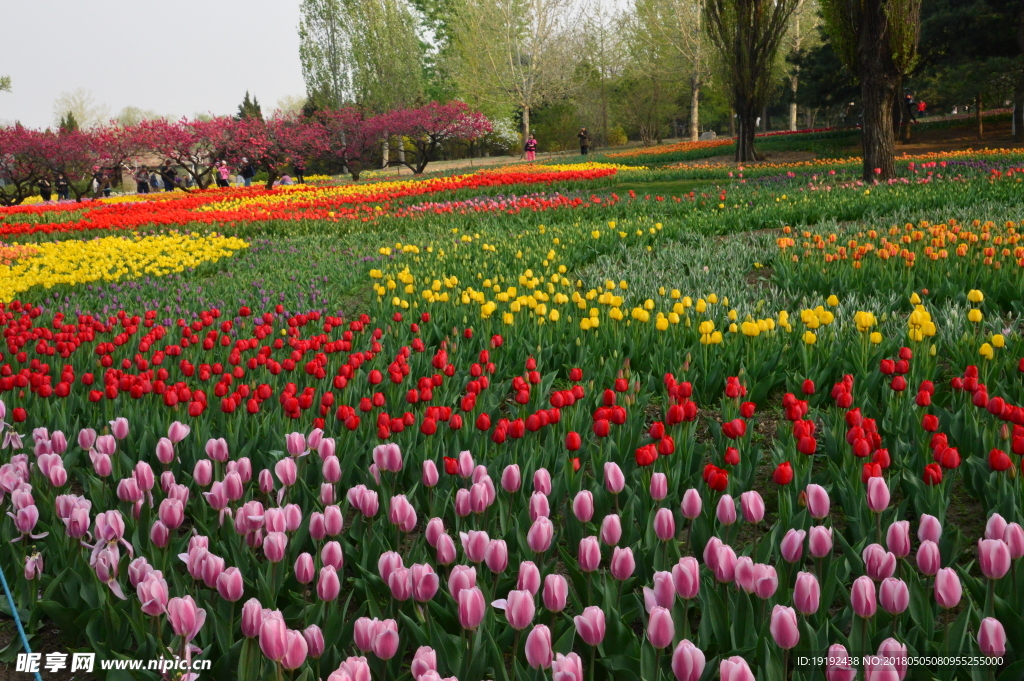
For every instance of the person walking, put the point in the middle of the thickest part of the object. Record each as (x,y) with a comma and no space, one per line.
(223,173)
(247,172)
(169,176)
(155,183)
(922,106)
(584,138)
(45,187)
(142,180)
(531,148)
(108,183)
(63,187)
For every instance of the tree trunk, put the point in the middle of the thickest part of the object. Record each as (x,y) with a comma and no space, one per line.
(694,107)
(746,117)
(978,118)
(793,83)
(732,123)
(1018,118)
(764,119)
(384,151)
(878,93)
(526,128)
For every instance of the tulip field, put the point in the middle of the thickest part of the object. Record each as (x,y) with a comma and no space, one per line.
(577,422)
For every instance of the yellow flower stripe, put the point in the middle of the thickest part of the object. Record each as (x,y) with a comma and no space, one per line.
(111,259)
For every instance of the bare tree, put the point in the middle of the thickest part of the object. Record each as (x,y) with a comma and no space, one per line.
(747,35)
(802,35)
(514,53)
(80,102)
(877,40)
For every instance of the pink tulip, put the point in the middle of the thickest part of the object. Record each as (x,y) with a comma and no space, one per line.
(101,464)
(178,431)
(692,504)
(331,470)
(538,647)
(435,528)
(752,506)
(711,552)
(186,617)
(463,503)
(385,643)
(663,594)
(897,538)
(217,449)
(252,618)
(496,556)
(295,444)
(511,479)
(327,449)
(784,628)
(929,528)
(807,593)
(992,638)
(877,494)
(766,581)
(659,486)
(167,481)
(164,451)
(266,481)
(1014,538)
(293,516)
(567,668)
(328,586)
(995,527)
(878,562)
(127,490)
(274,520)
(171,513)
(445,550)
(734,669)
(119,428)
(686,577)
(665,524)
(528,578)
(539,506)
(589,556)
(425,660)
(622,564)
(614,480)
(611,529)
(556,591)
(928,558)
(839,666)
(286,471)
(402,513)
(542,481)
(687,661)
(793,545)
(425,582)
(137,570)
(304,570)
(994,558)
(894,595)
(474,545)
(230,584)
(316,436)
(819,541)
(726,511)
(153,595)
(895,653)
(817,501)
(106,444)
(540,534)
(948,589)
(471,607)
(862,597)
(274,546)
(317,526)
(353,668)
(460,578)
(519,609)
(400,583)
(202,473)
(660,628)
(466,464)
(744,573)
(583,506)
(591,625)
(364,630)
(86,438)
(430,475)
(388,562)
(314,640)
(213,567)
(333,521)
(158,534)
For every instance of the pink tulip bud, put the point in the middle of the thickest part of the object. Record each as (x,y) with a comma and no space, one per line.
(725,564)
(744,573)
(995,527)
(400,583)
(817,501)
(333,521)
(539,506)
(614,480)
(862,596)
(158,534)
(295,443)
(274,520)
(385,643)
(230,584)
(519,609)
(894,595)
(217,449)
(212,568)
(286,471)
(994,558)
(314,640)
(143,474)
(128,490)
(992,638)
(331,469)
(538,647)
(466,464)
(711,552)
(659,486)
(839,666)
(363,632)
(474,545)
(153,594)
(1014,538)
(328,586)
(892,652)
(252,618)
(186,617)
(665,524)
(663,593)
(317,526)
(819,541)
(784,628)
(611,529)
(583,506)
(463,503)
(877,494)
(266,481)
(304,570)
(929,559)
(687,661)
(692,504)
(806,593)
(589,555)
(471,607)
(101,464)
(556,591)
(542,481)
(735,669)
(878,563)
(496,556)
(567,667)
(591,625)
(660,628)
(327,449)
(166,481)
(511,479)
(929,528)
(460,578)
(86,438)
(171,513)
(274,546)
(793,545)
(178,431)
(445,550)
(686,577)
(622,564)
(753,507)
(726,510)
(897,538)
(402,513)
(326,493)
(528,578)
(202,473)
(425,660)
(119,428)
(164,451)
(57,475)
(435,528)
(540,534)
(430,475)
(425,582)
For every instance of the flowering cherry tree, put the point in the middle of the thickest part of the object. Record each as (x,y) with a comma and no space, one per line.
(195,145)
(346,138)
(426,128)
(19,163)
(274,143)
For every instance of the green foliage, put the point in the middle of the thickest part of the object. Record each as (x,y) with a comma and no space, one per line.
(5,83)
(68,123)
(249,108)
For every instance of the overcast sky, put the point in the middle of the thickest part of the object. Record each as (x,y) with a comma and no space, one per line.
(174,57)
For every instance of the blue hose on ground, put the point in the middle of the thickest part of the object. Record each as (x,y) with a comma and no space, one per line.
(17,619)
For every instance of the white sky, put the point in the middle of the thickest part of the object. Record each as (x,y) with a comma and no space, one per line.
(176,57)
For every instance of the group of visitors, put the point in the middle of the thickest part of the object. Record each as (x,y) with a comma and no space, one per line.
(530,146)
